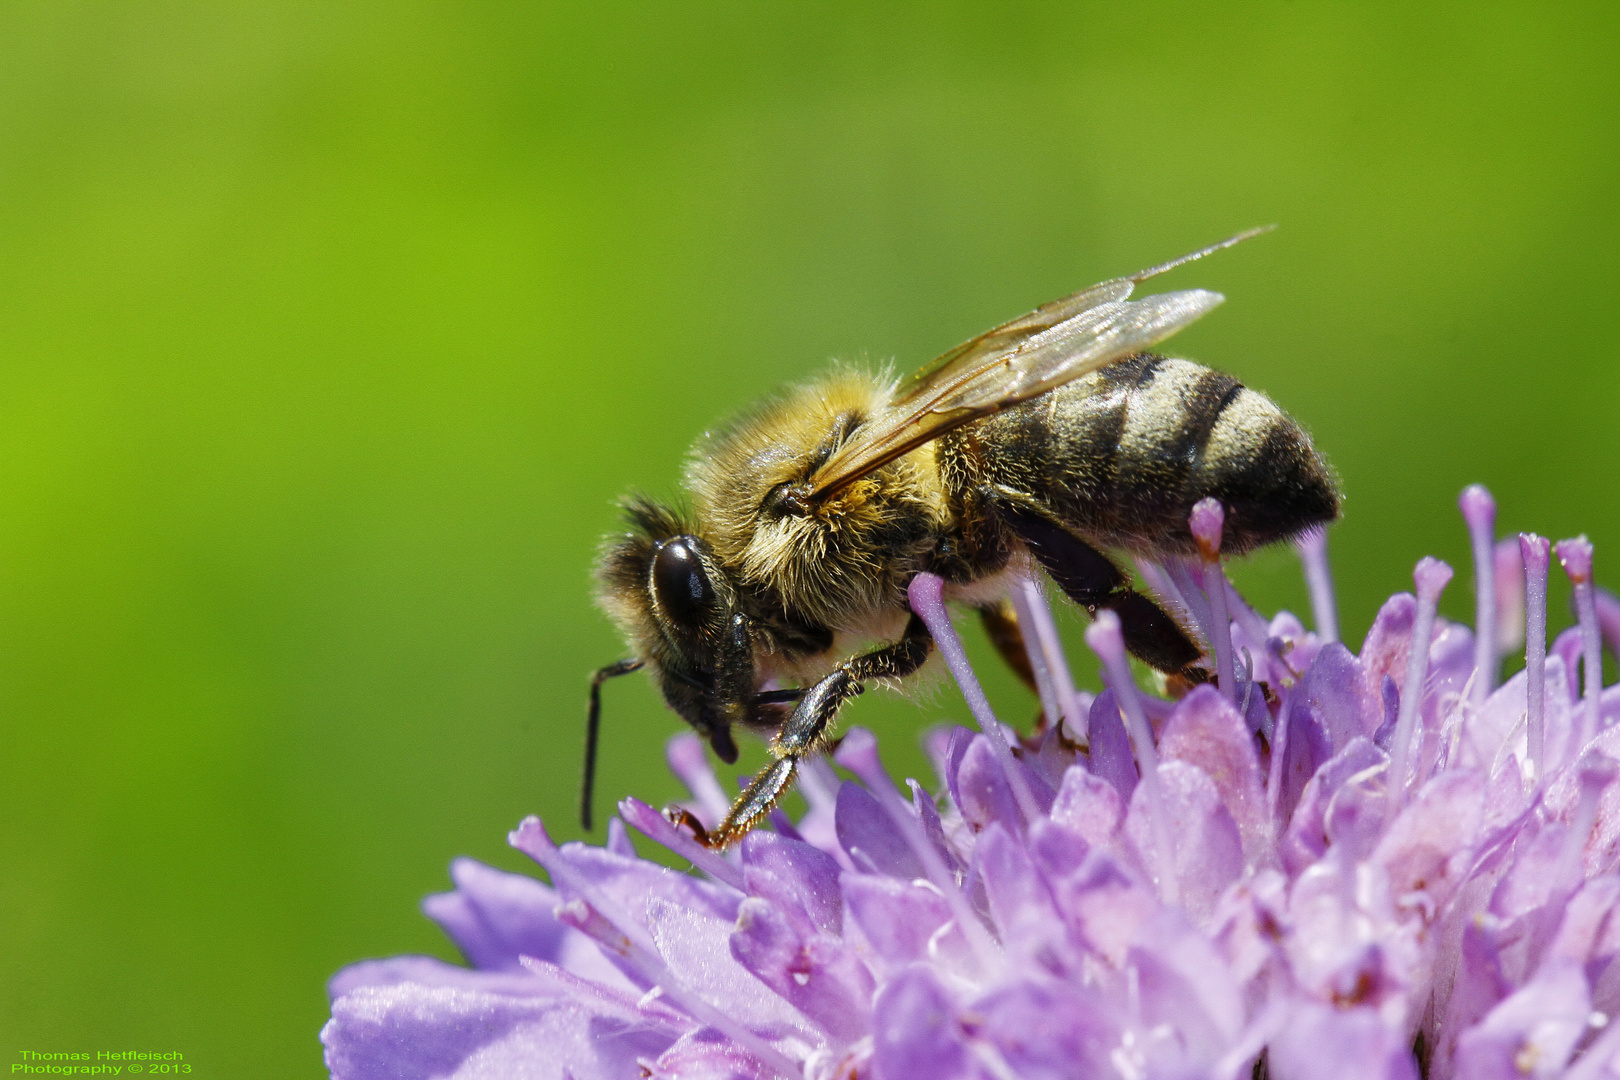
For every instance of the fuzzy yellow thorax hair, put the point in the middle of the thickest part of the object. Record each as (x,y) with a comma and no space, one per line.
(851,556)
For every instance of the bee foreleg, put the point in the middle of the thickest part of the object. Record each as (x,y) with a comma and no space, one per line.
(805,729)
(1090,579)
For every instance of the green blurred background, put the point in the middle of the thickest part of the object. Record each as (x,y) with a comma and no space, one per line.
(330,333)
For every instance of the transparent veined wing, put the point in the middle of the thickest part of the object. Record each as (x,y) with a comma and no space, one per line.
(1018,360)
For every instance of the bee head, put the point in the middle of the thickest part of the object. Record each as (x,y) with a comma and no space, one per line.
(662,584)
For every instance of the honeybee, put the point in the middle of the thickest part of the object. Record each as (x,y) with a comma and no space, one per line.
(1044,442)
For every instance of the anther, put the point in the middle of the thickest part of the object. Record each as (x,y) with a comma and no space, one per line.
(1207,521)
(1479,511)
(1534,551)
(1431,577)
(1576,558)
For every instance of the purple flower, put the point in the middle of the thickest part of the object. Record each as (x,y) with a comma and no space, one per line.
(1375,864)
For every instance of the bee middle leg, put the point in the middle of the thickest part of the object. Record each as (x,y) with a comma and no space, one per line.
(803,732)
(1092,580)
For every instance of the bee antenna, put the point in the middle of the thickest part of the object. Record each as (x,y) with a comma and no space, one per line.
(593,721)
(1230,241)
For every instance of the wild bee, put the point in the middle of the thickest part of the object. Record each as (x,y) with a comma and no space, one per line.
(1044,442)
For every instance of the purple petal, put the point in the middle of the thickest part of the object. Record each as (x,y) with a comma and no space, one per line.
(1248,923)
(688,759)
(1208,850)
(705,1055)
(1031,931)
(630,883)
(1496,730)
(1567,647)
(1293,648)
(1205,730)
(898,919)
(1306,838)
(1428,846)
(1388,642)
(1105,905)
(1585,917)
(1320,1042)
(1303,744)
(414,1032)
(618,840)
(806,874)
(870,838)
(933,827)
(1089,806)
(1050,1031)
(816,974)
(1183,983)
(429,971)
(1477,986)
(697,948)
(495,917)
(1111,756)
(1531,1032)
(915,1033)
(1354,820)
(1336,688)
(983,794)
(1057,850)
(657,828)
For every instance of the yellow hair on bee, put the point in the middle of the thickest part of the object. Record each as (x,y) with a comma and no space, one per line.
(852,555)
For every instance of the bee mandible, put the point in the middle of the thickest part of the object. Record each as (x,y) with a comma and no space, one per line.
(1045,442)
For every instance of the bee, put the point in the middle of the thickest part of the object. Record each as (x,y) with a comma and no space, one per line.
(1045,442)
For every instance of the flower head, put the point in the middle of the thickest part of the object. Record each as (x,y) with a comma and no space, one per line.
(1342,864)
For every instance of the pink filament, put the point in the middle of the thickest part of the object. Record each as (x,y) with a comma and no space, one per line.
(1534,551)
(1207,521)
(1051,649)
(927,596)
(1479,511)
(1431,577)
(1312,548)
(1576,557)
(1108,643)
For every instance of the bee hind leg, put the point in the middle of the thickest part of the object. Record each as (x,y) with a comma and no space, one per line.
(1001,626)
(806,729)
(1091,579)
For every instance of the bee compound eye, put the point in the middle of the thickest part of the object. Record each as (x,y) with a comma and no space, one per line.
(685,592)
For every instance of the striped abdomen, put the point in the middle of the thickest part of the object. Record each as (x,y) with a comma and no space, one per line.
(1122,455)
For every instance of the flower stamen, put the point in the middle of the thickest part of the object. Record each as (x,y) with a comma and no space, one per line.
(1107,641)
(1431,577)
(1479,511)
(1575,556)
(927,597)
(1534,551)
(1312,548)
(1207,521)
(1028,596)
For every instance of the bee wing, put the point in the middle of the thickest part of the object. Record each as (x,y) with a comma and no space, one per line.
(956,393)
(1018,360)
(1012,335)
